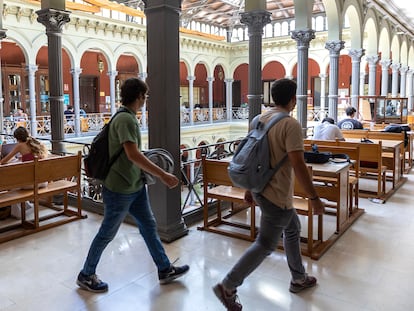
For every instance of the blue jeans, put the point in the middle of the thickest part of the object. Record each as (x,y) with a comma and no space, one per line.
(116,207)
(274,222)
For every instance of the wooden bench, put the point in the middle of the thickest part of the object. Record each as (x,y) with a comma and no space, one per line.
(62,174)
(217,185)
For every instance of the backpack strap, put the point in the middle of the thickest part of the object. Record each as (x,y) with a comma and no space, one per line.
(256,123)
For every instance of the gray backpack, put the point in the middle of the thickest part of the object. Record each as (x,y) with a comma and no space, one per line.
(250,166)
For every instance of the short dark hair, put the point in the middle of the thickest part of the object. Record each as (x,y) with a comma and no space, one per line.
(328,119)
(132,89)
(283,90)
(350,111)
(21,134)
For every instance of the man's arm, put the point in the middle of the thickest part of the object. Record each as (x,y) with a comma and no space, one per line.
(302,175)
(140,160)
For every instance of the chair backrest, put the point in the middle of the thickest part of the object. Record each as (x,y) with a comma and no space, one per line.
(320,142)
(359,134)
(215,172)
(17,175)
(60,167)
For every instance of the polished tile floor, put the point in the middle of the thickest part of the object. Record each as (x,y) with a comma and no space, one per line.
(370,268)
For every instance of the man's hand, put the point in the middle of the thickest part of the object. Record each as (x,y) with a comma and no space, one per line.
(169,180)
(248,198)
(318,206)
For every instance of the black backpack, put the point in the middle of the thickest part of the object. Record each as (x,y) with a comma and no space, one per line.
(97,162)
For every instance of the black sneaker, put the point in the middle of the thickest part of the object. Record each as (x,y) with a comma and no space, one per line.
(229,301)
(91,283)
(296,287)
(172,273)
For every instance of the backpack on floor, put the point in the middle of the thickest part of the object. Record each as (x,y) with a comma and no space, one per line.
(97,162)
(250,167)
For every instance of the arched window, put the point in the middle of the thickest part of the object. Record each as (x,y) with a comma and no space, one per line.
(277,30)
(285,29)
(319,23)
(268,33)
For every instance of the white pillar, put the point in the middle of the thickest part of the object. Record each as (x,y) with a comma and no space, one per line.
(229,97)
(210,98)
(76,98)
(385,64)
(403,86)
(323,77)
(395,71)
(31,71)
(410,89)
(112,75)
(191,97)
(143,76)
(372,65)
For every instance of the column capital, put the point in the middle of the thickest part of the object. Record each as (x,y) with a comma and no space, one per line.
(210,79)
(356,54)
(404,69)
(303,36)
(395,67)
(31,69)
(229,80)
(323,76)
(385,63)
(76,71)
(410,72)
(191,78)
(112,73)
(255,20)
(372,59)
(53,19)
(334,46)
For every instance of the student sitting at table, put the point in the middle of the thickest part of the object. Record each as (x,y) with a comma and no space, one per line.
(327,130)
(27,147)
(350,123)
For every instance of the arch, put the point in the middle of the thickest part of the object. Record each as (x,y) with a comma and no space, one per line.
(384,42)
(395,50)
(370,43)
(102,46)
(334,19)
(353,10)
(132,50)
(273,70)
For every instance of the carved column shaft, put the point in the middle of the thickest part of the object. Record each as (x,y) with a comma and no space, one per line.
(143,76)
(54,20)
(191,97)
(385,64)
(302,37)
(210,81)
(403,72)
(410,94)
(31,71)
(372,67)
(323,90)
(76,98)
(356,55)
(394,85)
(229,97)
(112,75)
(334,48)
(255,21)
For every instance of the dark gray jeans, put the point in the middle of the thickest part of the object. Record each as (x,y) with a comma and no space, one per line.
(274,222)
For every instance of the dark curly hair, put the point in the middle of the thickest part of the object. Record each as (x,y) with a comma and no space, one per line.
(132,89)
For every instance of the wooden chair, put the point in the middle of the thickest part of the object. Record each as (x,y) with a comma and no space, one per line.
(302,206)
(217,185)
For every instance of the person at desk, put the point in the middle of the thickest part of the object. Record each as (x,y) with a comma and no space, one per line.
(28,148)
(350,123)
(327,130)
(276,202)
(20,115)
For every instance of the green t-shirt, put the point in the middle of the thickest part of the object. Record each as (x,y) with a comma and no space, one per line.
(124,176)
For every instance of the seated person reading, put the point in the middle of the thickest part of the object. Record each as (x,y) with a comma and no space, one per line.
(28,147)
(327,130)
(350,123)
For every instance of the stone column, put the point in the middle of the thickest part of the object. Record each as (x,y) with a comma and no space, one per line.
(362,83)
(210,81)
(112,75)
(53,20)
(76,98)
(31,72)
(334,47)
(2,36)
(191,97)
(356,55)
(385,64)
(410,89)
(143,76)
(255,20)
(164,112)
(302,37)
(323,77)
(372,66)
(394,84)
(229,97)
(403,72)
